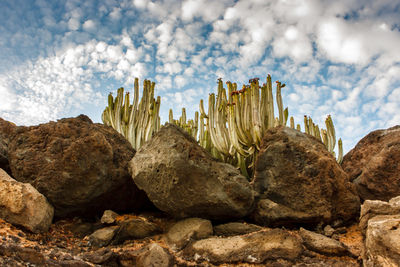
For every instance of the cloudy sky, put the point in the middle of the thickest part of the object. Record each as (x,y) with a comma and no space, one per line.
(62,58)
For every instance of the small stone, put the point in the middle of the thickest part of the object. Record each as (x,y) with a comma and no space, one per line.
(136,228)
(109,217)
(322,244)
(235,228)
(155,256)
(103,236)
(328,231)
(181,233)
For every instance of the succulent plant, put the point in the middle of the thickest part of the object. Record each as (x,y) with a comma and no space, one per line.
(231,131)
(137,121)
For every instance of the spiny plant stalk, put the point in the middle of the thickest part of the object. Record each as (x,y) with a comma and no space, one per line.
(137,121)
(231,131)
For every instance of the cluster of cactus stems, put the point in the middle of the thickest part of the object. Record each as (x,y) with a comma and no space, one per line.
(137,121)
(231,130)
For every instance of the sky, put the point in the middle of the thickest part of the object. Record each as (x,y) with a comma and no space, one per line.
(62,58)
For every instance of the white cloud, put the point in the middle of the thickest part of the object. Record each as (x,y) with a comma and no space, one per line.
(73,24)
(89,25)
(115,14)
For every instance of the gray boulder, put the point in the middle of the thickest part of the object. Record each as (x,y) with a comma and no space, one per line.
(21,204)
(80,167)
(183,180)
(300,182)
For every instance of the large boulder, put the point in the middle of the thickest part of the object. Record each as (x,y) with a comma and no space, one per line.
(252,248)
(182,179)
(81,167)
(7,130)
(300,182)
(23,205)
(374,165)
(382,241)
(373,208)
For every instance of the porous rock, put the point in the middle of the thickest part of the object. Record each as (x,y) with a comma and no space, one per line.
(373,164)
(182,179)
(253,248)
(7,130)
(154,255)
(182,232)
(109,217)
(135,228)
(103,236)
(81,167)
(235,228)
(322,244)
(23,205)
(382,241)
(300,182)
(372,208)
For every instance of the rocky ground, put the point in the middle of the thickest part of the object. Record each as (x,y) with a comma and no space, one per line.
(67,243)
(61,184)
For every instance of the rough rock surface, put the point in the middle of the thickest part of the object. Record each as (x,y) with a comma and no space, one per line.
(301,181)
(372,208)
(108,217)
(382,241)
(253,248)
(102,237)
(60,246)
(182,179)
(23,205)
(374,164)
(235,228)
(322,244)
(7,130)
(154,255)
(81,167)
(181,233)
(135,228)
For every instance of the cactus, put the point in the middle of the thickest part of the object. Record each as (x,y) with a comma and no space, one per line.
(137,121)
(237,123)
(231,131)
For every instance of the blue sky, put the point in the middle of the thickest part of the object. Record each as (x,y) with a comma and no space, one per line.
(62,58)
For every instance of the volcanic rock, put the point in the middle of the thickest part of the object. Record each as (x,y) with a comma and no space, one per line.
(373,208)
(81,167)
(300,182)
(253,248)
(235,228)
(322,244)
(374,165)
(21,204)
(181,233)
(382,241)
(7,130)
(183,180)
